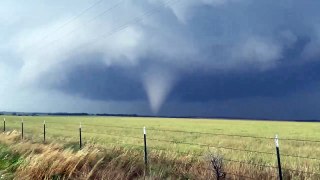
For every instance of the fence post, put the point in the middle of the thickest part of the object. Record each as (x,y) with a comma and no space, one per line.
(22,129)
(278,156)
(4,124)
(80,141)
(145,151)
(44,131)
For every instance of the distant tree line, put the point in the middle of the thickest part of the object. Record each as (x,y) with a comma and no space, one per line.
(137,115)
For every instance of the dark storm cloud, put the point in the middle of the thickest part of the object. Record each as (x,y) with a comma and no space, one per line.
(273,83)
(99,82)
(193,53)
(96,81)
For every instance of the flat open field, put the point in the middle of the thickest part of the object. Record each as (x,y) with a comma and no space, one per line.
(238,142)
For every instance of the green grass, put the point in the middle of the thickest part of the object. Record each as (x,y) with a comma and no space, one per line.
(65,129)
(9,162)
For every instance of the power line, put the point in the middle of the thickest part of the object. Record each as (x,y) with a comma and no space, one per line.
(77,16)
(71,20)
(92,19)
(123,26)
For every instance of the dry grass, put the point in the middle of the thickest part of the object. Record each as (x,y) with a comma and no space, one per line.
(53,161)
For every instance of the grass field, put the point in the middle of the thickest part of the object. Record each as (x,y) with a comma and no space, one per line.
(174,136)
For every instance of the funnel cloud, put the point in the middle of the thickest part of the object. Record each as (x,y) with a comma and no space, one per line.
(158,85)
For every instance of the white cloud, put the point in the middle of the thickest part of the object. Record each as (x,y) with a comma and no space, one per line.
(39,59)
(183,9)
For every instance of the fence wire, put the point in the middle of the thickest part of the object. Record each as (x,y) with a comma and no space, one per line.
(187,143)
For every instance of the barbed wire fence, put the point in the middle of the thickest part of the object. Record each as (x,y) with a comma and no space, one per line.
(145,147)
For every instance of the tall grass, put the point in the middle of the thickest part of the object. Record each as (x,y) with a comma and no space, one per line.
(55,161)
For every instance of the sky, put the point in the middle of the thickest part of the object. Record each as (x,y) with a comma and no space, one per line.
(208,58)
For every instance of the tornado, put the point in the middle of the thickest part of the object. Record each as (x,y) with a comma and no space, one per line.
(158,84)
